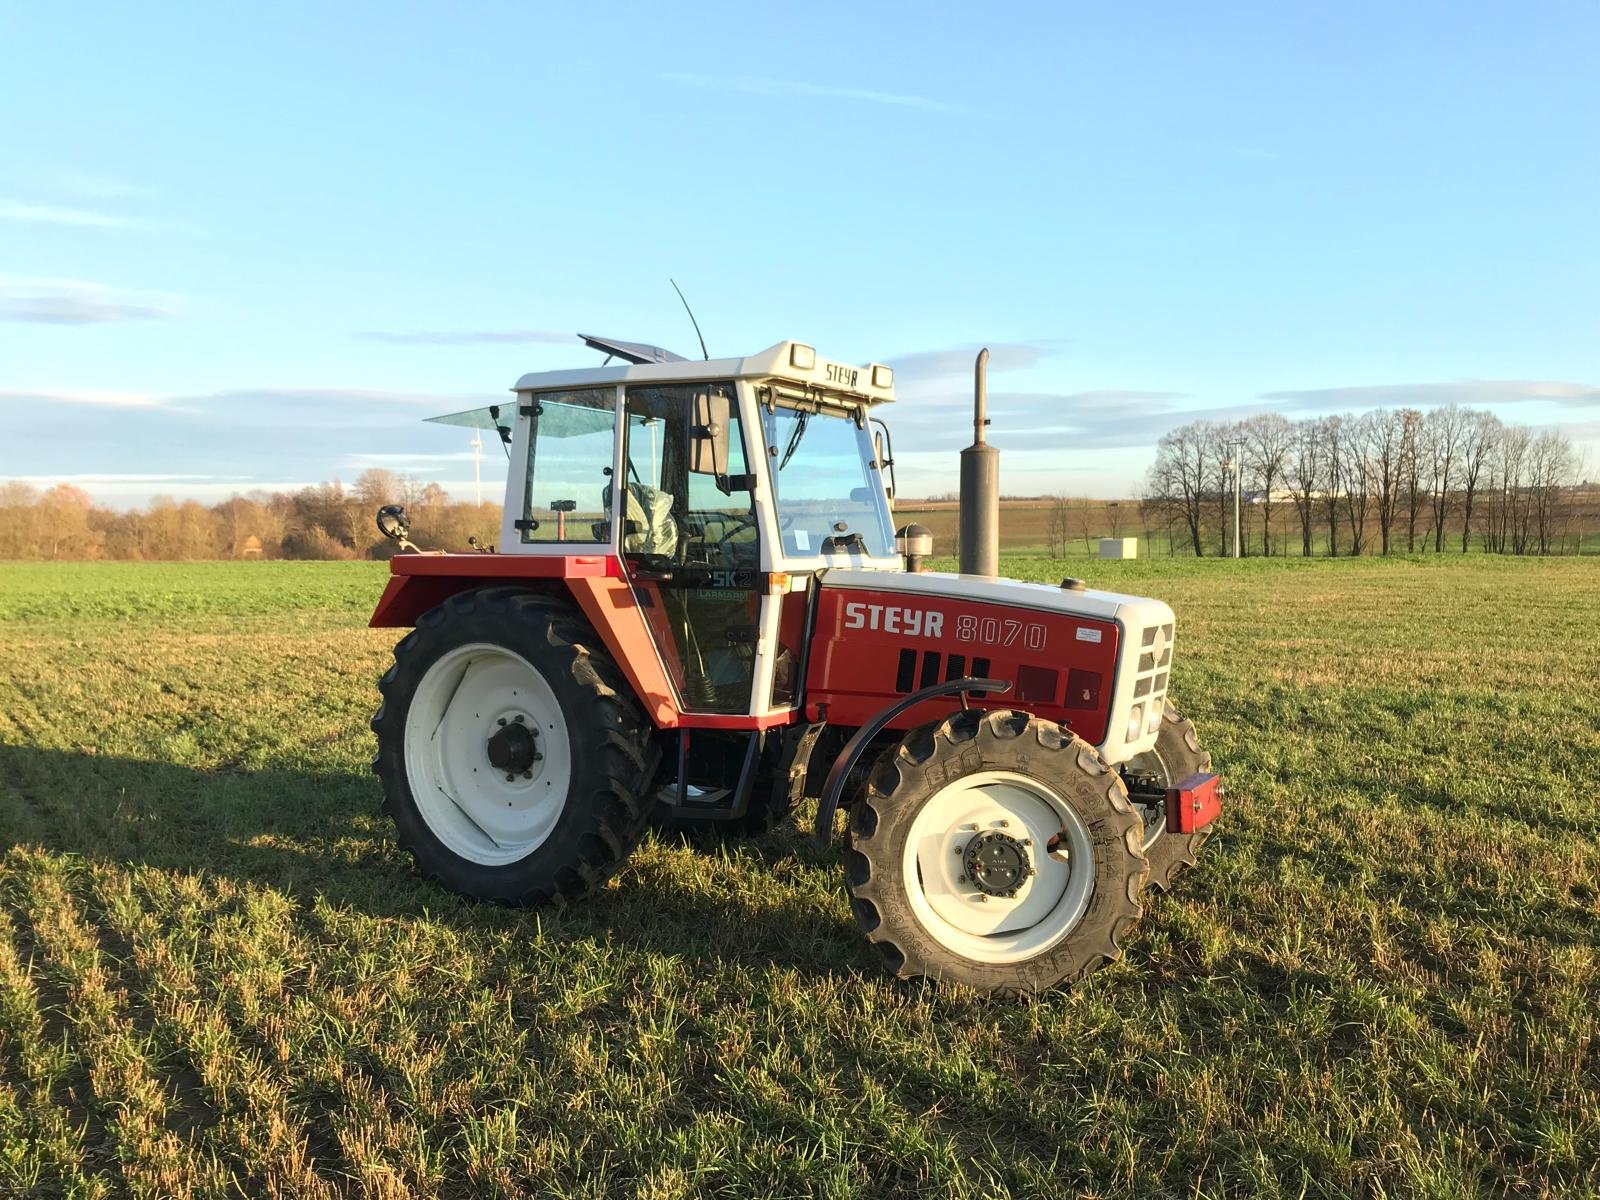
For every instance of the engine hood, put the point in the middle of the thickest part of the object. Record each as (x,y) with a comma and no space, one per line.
(1133,612)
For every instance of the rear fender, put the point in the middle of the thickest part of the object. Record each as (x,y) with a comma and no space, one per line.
(422,582)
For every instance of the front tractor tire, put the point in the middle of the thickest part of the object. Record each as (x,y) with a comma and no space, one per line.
(1176,756)
(997,850)
(513,756)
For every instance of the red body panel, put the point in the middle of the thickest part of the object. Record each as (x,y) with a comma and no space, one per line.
(871,648)
(419,582)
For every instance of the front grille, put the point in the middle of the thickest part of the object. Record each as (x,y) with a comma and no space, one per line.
(1155,661)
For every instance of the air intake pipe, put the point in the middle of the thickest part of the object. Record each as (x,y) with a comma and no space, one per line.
(980,487)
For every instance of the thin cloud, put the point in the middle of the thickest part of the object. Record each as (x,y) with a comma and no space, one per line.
(51,214)
(95,399)
(1429,395)
(116,477)
(922,366)
(394,460)
(78,302)
(90,185)
(764,86)
(482,337)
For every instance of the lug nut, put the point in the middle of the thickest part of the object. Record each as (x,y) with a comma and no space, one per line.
(502,721)
(510,777)
(518,718)
(982,899)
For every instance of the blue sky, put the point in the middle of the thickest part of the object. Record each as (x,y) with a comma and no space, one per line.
(249,249)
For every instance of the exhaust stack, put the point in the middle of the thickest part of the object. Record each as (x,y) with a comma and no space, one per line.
(980,487)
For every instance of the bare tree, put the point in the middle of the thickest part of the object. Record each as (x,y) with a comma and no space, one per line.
(1479,435)
(1269,441)
(1357,470)
(1058,526)
(64,529)
(1180,475)
(1334,438)
(1381,439)
(377,486)
(1441,440)
(1304,476)
(1219,454)
(1552,463)
(1413,430)
(1081,509)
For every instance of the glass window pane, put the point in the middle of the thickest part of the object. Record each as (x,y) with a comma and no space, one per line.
(822,481)
(570,451)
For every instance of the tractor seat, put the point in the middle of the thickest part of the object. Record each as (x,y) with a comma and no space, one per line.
(650,527)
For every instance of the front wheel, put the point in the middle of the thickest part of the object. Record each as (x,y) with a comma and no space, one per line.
(512,755)
(995,849)
(1176,756)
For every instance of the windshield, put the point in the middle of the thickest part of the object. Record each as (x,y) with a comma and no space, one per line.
(829,498)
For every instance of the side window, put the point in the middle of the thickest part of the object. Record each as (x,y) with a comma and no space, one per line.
(696,518)
(571,442)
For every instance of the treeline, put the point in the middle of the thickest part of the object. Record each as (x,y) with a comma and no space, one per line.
(327,521)
(1378,482)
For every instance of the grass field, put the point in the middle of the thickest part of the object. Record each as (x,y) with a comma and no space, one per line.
(219,976)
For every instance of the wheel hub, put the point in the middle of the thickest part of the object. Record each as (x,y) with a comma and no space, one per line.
(513,748)
(997,863)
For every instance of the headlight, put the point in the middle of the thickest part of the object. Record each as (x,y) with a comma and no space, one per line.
(1154,723)
(1135,723)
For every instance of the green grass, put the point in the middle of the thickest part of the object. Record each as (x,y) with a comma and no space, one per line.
(219,976)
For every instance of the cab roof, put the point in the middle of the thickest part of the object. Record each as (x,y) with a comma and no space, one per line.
(793,362)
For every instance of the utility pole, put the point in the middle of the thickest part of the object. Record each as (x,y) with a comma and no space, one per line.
(1236,461)
(477,467)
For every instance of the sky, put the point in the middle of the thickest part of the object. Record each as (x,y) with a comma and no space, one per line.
(251,247)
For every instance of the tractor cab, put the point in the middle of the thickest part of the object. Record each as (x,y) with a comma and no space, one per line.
(721,487)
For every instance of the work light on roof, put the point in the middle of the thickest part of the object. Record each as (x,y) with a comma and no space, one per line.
(802,357)
(882,376)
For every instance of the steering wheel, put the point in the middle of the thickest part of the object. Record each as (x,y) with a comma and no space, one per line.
(730,526)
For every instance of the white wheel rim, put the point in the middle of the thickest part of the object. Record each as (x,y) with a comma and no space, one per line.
(959,914)
(465,698)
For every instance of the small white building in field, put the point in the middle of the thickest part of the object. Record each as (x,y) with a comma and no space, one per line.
(1119,547)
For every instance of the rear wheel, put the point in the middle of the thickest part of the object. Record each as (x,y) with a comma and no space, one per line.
(513,756)
(997,850)
(1176,756)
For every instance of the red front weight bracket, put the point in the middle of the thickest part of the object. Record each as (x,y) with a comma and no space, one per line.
(1194,803)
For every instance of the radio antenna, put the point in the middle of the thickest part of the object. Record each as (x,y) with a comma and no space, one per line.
(703,351)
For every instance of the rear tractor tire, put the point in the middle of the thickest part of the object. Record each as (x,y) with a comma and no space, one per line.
(513,755)
(1177,755)
(997,850)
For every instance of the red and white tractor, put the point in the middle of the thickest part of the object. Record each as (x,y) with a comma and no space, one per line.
(699,611)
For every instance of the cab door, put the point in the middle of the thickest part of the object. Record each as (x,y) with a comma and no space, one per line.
(690,540)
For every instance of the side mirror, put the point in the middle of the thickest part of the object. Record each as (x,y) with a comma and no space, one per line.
(709,426)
